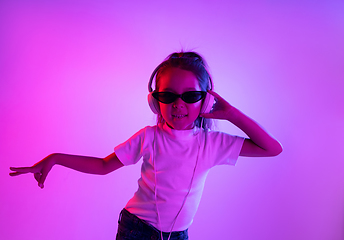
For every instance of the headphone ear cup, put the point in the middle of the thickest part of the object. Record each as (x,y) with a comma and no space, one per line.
(153,104)
(207,103)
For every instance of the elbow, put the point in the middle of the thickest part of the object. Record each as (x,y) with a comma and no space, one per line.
(110,164)
(104,170)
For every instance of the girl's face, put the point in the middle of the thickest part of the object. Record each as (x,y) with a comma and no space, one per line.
(179,114)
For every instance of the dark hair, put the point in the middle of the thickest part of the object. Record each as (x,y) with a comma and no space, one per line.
(190,61)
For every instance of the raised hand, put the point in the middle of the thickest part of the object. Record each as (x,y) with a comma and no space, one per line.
(40,170)
(260,142)
(221,110)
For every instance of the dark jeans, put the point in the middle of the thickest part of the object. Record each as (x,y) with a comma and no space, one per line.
(131,227)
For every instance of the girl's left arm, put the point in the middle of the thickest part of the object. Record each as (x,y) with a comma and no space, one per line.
(259,144)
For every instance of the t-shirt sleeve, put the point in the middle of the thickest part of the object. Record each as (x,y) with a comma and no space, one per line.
(224,148)
(131,151)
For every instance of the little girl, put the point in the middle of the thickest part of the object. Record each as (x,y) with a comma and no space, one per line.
(177,153)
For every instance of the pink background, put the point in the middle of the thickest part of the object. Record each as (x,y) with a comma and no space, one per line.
(73,79)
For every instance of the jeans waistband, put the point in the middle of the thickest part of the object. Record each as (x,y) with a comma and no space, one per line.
(125,215)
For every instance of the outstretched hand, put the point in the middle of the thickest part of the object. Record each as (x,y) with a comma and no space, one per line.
(40,170)
(221,110)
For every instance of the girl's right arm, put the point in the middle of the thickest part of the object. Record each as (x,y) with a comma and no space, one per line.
(84,164)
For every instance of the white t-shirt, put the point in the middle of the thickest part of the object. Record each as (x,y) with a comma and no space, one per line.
(172,156)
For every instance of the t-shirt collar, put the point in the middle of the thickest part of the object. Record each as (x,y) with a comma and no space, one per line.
(180,134)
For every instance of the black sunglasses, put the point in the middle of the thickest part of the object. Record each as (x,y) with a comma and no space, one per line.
(188,97)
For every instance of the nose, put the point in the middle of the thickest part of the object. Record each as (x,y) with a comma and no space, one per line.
(179,103)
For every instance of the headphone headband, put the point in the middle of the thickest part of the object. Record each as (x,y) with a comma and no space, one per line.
(150,89)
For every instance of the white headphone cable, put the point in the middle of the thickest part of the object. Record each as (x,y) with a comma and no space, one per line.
(155,187)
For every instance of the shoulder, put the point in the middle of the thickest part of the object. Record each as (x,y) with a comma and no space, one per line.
(142,134)
(149,130)
(146,130)
(140,138)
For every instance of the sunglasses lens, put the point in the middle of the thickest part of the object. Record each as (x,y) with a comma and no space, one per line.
(188,97)
(192,97)
(165,97)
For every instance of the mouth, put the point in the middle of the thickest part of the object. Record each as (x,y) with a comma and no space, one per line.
(179,116)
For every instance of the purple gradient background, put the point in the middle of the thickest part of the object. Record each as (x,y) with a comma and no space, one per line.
(73,79)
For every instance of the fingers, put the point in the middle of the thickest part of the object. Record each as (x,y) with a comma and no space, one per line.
(20,170)
(12,174)
(39,175)
(217,96)
(220,102)
(221,108)
(39,178)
